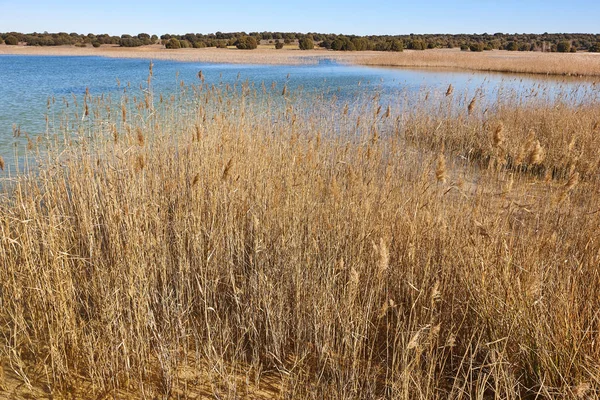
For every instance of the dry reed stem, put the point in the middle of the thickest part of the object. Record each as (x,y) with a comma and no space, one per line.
(324,262)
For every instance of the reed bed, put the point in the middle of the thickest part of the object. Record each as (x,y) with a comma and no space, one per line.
(580,64)
(250,242)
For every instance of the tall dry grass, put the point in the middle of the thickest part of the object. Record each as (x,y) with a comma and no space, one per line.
(231,242)
(580,64)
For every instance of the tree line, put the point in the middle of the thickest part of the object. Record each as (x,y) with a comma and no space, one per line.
(546,42)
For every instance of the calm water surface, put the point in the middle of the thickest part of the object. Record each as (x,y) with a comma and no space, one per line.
(26,83)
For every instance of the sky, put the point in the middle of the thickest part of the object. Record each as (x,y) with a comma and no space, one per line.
(383,17)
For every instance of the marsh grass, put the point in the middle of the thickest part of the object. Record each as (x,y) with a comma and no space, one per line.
(240,241)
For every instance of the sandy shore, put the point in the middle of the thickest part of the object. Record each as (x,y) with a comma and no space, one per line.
(578,64)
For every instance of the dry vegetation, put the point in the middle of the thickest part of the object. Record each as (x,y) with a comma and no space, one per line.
(232,242)
(579,64)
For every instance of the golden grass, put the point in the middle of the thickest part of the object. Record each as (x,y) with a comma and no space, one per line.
(579,64)
(235,242)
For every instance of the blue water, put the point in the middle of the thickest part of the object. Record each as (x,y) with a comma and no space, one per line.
(27,82)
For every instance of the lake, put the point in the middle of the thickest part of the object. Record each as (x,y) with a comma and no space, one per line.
(27,82)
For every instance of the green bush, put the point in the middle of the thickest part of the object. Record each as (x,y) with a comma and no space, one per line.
(246,43)
(595,48)
(396,45)
(306,44)
(478,46)
(130,42)
(11,40)
(173,44)
(512,46)
(563,47)
(96,43)
(279,45)
(464,47)
(417,45)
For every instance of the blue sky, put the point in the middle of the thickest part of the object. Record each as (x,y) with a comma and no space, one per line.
(327,16)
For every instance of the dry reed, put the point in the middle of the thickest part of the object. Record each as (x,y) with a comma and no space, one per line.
(265,246)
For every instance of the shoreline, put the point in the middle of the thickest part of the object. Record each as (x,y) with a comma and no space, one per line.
(556,64)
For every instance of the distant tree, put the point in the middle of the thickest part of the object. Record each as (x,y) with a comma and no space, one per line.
(153,39)
(173,44)
(563,47)
(396,45)
(524,46)
(1,40)
(96,43)
(360,44)
(326,44)
(477,46)
(11,40)
(306,44)
(464,47)
(511,46)
(417,45)
(130,42)
(246,43)
(278,45)
(144,37)
(595,48)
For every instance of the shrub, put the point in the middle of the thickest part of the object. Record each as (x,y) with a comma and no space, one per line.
(478,46)
(595,48)
(396,45)
(184,44)
(524,47)
(417,45)
(306,44)
(130,42)
(246,43)
(173,44)
(464,47)
(96,43)
(11,40)
(563,47)
(512,46)
(279,45)
(1,40)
